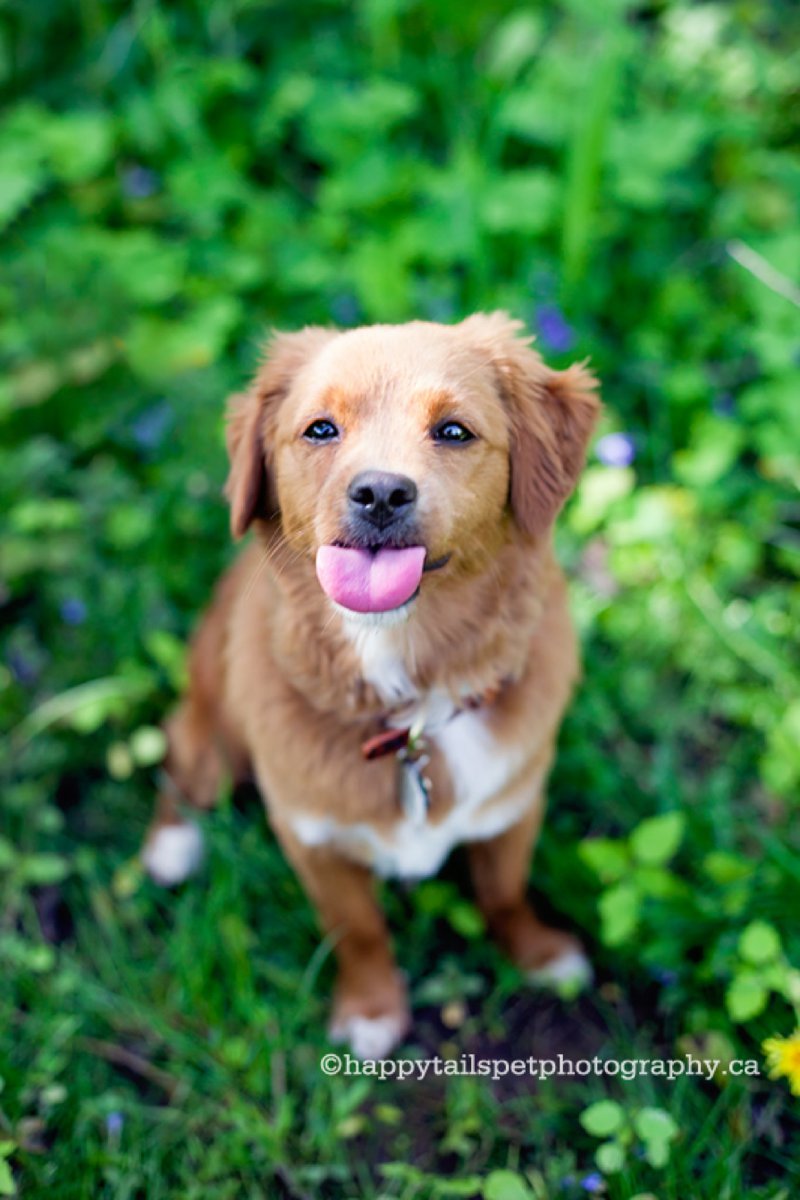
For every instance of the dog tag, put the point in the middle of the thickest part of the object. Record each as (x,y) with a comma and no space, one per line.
(415,788)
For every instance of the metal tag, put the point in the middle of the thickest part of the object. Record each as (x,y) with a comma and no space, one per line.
(415,787)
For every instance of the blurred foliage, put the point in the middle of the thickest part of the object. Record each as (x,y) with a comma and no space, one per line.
(174,179)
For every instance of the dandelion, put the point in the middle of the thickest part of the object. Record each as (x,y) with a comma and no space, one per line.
(616,450)
(783,1058)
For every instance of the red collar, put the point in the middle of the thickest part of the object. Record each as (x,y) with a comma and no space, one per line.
(392,741)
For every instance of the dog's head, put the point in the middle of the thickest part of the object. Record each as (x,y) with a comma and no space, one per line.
(394,453)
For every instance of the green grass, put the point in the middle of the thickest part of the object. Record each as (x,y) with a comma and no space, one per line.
(199,1017)
(176,178)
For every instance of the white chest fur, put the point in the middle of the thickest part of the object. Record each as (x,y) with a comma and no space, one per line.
(480,768)
(382,650)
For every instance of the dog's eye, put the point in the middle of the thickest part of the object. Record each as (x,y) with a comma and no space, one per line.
(452,431)
(321,430)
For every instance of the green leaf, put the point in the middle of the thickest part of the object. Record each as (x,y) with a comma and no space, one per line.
(513,44)
(506,1185)
(657,1129)
(759,943)
(610,1158)
(148,745)
(608,858)
(714,449)
(7,1185)
(659,882)
(600,489)
(79,144)
(657,1154)
(170,653)
(129,525)
(655,840)
(40,869)
(619,913)
(433,897)
(98,699)
(40,958)
(724,868)
(147,269)
(159,348)
(746,997)
(22,178)
(655,1124)
(586,151)
(466,919)
(521,202)
(119,761)
(603,1118)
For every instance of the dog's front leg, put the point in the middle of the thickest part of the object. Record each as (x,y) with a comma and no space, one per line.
(370,1009)
(499,868)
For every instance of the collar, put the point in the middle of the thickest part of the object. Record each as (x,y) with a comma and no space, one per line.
(394,740)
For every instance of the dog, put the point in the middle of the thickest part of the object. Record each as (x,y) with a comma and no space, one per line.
(391,658)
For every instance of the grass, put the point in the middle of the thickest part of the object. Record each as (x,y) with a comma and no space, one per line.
(176,179)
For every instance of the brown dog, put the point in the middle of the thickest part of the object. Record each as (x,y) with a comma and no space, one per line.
(392,656)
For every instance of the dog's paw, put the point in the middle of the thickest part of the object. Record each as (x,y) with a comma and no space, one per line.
(370,1037)
(172,853)
(568,972)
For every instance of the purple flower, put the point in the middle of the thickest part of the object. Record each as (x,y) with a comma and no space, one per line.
(664,976)
(440,308)
(23,667)
(556,333)
(344,309)
(616,450)
(114,1124)
(73,611)
(139,182)
(724,404)
(150,426)
(593,1182)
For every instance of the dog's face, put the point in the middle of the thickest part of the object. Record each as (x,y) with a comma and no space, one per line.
(395,453)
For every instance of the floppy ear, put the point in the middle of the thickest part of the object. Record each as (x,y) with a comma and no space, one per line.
(246,484)
(251,420)
(552,415)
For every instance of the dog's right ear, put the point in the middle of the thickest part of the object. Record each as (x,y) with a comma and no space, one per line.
(251,419)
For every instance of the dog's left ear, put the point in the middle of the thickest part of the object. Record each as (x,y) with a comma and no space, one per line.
(552,415)
(250,426)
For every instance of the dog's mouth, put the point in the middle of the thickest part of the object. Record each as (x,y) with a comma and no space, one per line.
(373,579)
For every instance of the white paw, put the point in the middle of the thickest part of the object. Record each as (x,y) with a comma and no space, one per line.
(570,973)
(173,853)
(369,1037)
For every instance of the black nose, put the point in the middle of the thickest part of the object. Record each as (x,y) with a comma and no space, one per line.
(380,497)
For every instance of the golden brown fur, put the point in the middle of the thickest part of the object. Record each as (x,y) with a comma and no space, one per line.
(277,683)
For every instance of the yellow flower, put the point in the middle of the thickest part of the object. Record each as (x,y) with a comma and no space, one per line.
(783,1058)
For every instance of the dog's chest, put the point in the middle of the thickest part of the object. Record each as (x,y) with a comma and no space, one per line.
(479,767)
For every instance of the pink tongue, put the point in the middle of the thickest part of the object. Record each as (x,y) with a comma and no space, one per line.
(367,582)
